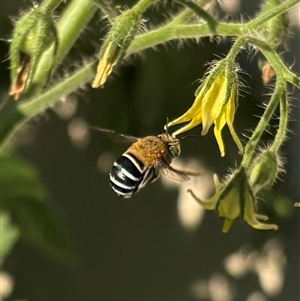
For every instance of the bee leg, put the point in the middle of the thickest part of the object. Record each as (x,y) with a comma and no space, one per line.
(155,176)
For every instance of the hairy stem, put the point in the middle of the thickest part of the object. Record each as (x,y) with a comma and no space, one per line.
(50,5)
(273,58)
(278,10)
(264,121)
(283,121)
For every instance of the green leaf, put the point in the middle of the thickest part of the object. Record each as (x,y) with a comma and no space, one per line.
(24,197)
(9,235)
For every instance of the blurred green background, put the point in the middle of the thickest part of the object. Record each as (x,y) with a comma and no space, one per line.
(140,249)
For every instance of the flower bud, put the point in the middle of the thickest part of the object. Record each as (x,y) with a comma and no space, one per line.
(264,170)
(276,28)
(115,45)
(33,34)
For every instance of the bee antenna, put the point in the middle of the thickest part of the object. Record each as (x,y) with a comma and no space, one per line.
(189,136)
(166,126)
(101,129)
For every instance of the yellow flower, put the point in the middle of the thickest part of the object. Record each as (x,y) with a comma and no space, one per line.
(214,103)
(235,199)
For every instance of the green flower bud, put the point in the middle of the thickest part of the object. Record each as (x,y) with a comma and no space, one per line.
(33,34)
(264,170)
(276,28)
(115,45)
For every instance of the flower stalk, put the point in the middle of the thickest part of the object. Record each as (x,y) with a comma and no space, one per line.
(277,95)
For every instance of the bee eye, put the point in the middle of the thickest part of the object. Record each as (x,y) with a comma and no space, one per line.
(175,150)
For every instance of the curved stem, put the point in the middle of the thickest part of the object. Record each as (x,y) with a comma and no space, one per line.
(283,121)
(106,9)
(273,58)
(142,5)
(177,32)
(212,22)
(235,49)
(49,5)
(186,14)
(263,122)
(278,10)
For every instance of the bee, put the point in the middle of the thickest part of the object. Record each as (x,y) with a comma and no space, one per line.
(144,161)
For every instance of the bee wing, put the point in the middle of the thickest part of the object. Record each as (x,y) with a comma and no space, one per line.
(127,137)
(173,173)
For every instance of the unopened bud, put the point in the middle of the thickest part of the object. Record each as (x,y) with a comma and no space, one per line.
(264,170)
(276,28)
(33,34)
(115,45)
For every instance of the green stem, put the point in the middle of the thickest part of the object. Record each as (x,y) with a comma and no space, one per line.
(142,5)
(273,58)
(278,10)
(235,49)
(283,121)
(186,14)
(199,11)
(107,9)
(263,122)
(177,32)
(49,5)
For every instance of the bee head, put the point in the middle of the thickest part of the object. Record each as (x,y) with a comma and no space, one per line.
(174,148)
(172,143)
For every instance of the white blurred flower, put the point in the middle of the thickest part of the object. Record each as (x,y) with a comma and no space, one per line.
(220,288)
(6,285)
(217,288)
(269,265)
(270,268)
(256,296)
(66,108)
(78,132)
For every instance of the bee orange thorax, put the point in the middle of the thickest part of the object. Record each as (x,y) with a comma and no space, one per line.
(149,150)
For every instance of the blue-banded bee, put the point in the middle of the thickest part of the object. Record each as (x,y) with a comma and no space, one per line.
(143,162)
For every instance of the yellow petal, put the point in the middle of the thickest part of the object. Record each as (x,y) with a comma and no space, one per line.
(230,110)
(213,103)
(219,124)
(193,112)
(195,121)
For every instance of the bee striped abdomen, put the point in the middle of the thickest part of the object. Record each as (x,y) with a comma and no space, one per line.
(128,175)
